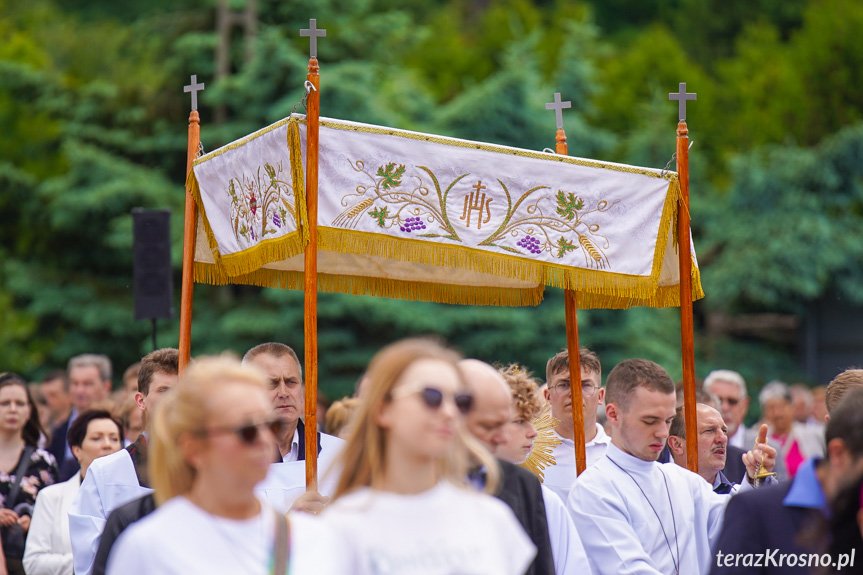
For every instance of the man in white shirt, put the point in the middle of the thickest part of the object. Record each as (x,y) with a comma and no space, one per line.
(635,515)
(118,478)
(285,488)
(560,476)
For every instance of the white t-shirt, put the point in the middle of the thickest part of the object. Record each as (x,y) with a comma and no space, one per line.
(446,530)
(180,538)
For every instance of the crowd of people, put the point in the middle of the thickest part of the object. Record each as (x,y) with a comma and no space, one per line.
(438,464)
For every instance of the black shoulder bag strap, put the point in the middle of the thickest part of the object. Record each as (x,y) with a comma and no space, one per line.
(282,545)
(19,474)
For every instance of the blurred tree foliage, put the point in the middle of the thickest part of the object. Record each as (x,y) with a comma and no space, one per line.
(93,121)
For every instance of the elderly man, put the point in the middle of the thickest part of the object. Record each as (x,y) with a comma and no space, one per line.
(560,476)
(729,388)
(713,448)
(285,486)
(89,381)
(519,488)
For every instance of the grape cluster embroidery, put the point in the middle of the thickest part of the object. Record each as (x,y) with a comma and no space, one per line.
(412,224)
(530,243)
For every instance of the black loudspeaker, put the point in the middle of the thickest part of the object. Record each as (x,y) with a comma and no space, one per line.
(151,249)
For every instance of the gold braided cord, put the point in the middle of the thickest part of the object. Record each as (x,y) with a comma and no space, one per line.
(336,125)
(541,456)
(298,180)
(193,188)
(243,141)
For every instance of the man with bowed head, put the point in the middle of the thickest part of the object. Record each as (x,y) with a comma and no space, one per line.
(519,488)
(634,514)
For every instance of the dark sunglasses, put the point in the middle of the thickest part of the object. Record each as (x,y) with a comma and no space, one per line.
(249,433)
(433,398)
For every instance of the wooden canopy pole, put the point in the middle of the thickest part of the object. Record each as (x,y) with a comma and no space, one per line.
(571,311)
(190,230)
(310,315)
(685,263)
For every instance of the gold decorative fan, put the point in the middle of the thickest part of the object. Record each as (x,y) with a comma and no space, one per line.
(541,455)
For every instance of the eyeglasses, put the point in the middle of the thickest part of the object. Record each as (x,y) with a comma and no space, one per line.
(433,397)
(563,388)
(731,401)
(248,434)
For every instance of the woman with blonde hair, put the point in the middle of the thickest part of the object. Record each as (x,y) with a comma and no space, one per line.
(212,441)
(403,504)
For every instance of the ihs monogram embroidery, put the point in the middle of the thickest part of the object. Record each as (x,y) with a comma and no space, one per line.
(535,223)
(475,202)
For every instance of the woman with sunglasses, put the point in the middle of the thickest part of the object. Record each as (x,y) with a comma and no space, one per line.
(402,504)
(212,441)
(24,468)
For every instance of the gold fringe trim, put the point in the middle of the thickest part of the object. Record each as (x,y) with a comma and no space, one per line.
(265,252)
(596,288)
(379,287)
(298,178)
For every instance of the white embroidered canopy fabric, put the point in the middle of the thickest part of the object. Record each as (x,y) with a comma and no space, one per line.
(420,208)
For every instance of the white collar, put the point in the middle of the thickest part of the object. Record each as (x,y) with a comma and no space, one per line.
(600,437)
(628,462)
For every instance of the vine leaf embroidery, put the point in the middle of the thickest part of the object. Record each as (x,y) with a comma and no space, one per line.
(380,214)
(564,246)
(567,205)
(392,176)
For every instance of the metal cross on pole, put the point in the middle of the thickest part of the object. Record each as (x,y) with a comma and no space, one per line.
(194,88)
(313,33)
(681,98)
(558,108)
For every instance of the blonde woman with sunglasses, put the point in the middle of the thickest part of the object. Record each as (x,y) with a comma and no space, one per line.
(212,441)
(402,505)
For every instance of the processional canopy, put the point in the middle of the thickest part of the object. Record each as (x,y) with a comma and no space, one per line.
(418,216)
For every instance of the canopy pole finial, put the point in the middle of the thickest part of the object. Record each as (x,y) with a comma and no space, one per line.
(560,137)
(687,337)
(190,229)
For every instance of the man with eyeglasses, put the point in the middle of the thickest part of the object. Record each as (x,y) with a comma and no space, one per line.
(729,388)
(561,476)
